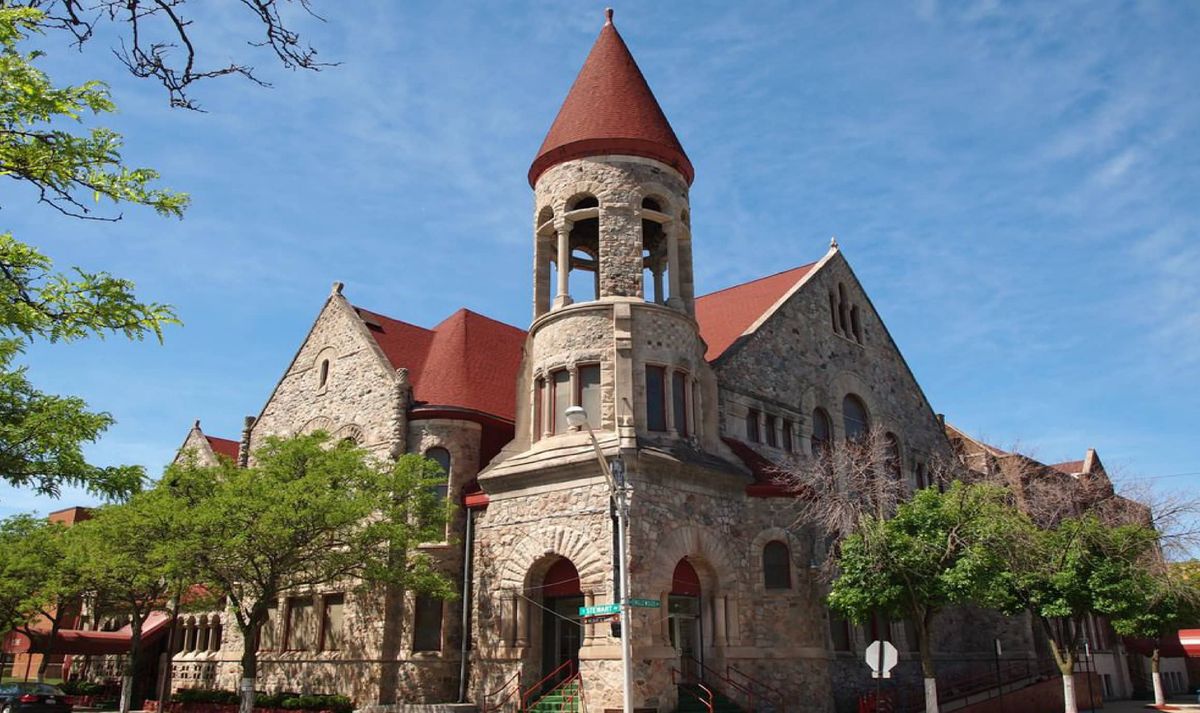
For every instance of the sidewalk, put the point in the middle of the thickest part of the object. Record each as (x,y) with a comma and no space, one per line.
(1176,703)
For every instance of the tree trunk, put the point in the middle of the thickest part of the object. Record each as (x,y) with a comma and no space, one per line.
(1069,705)
(1160,698)
(921,624)
(249,667)
(131,666)
(45,662)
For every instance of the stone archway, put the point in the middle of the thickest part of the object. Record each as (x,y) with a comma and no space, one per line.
(718,577)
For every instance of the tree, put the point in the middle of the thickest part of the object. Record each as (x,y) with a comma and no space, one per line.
(1064,573)
(935,551)
(129,560)
(308,512)
(43,585)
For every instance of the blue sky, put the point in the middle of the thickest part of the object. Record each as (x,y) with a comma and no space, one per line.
(1015,184)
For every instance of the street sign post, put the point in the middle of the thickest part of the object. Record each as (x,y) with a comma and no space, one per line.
(645,603)
(882,658)
(600,609)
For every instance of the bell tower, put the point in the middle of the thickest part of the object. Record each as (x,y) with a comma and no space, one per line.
(613,324)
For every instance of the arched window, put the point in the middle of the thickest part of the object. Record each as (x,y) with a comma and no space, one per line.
(324,374)
(822,431)
(892,444)
(584,201)
(777,566)
(214,634)
(651,204)
(854,418)
(441,456)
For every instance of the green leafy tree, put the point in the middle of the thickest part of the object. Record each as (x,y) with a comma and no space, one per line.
(1062,574)
(934,552)
(128,558)
(307,513)
(1169,596)
(42,586)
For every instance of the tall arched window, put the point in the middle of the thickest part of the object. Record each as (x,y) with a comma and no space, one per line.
(441,456)
(854,418)
(324,375)
(892,444)
(822,431)
(777,566)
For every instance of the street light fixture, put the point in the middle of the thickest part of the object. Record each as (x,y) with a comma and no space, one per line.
(577,416)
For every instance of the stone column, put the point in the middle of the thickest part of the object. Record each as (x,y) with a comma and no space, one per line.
(669,392)
(541,275)
(672,235)
(721,635)
(573,373)
(589,630)
(520,621)
(546,406)
(657,270)
(564,265)
(664,624)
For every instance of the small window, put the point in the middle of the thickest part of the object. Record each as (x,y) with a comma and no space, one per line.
(268,635)
(324,374)
(839,631)
(752,431)
(833,312)
(589,393)
(855,324)
(772,439)
(539,405)
(777,566)
(822,434)
(214,634)
(427,624)
(787,436)
(656,407)
(441,456)
(652,204)
(333,608)
(302,625)
(560,399)
(679,402)
(854,418)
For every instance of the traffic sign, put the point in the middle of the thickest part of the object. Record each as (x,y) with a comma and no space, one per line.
(600,609)
(881,657)
(645,603)
(601,619)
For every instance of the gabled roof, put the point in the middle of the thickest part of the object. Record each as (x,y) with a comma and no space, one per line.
(468,361)
(1071,467)
(610,110)
(223,446)
(726,315)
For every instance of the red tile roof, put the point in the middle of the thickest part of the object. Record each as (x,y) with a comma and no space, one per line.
(223,446)
(1070,467)
(610,110)
(468,361)
(726,314)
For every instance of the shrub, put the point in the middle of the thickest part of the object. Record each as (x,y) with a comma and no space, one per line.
(204,695)
(81,688)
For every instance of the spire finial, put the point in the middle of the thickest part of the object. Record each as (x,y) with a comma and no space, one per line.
(337,288)
(608,13)
(196,425)
(833,243)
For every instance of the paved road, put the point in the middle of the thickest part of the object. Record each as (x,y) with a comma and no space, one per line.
(1180,704)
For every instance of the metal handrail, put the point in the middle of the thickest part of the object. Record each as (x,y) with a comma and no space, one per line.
(678,676)
(749,694)
(780,699)
(569,664)
(513,679)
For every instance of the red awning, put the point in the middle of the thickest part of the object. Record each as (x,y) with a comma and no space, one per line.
(1190,640)
(81,641)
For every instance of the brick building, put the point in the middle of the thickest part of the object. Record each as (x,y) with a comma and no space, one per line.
(691,392)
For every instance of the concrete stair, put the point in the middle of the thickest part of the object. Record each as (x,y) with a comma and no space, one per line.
(564,699)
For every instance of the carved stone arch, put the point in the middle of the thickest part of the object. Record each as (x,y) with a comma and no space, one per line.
(665,197)
(704,550)
(526,562)
(577,191)
(545,215)
(318,423)
(755,554)
(352,432)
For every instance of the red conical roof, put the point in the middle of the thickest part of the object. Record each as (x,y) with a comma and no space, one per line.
(610,110)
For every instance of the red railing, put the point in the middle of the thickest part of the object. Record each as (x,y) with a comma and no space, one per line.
(708,700)
(515,682)
(732,689)
(567,667)
(952,688)
(776,697)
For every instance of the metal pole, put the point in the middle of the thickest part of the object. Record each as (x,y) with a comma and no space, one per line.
(999,680)
(1087,655)
(626,653)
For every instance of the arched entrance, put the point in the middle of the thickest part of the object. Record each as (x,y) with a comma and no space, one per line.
(683,612)
(561,599)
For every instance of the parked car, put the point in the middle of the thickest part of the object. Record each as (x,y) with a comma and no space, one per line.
(32,697)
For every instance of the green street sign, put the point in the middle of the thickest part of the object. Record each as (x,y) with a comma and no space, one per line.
(645,603)
(600,609)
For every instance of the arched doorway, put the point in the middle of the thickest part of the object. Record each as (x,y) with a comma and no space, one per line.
(683,612)
(561,599)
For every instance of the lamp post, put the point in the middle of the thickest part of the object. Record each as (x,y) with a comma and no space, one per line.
(577,416)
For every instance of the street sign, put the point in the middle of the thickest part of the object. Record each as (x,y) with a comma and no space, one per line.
(600,609)
(601,619)
(645,603)
(881,657)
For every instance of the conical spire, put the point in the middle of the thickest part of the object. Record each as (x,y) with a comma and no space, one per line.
(610,110)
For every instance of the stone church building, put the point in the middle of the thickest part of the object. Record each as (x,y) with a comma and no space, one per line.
(697,395)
